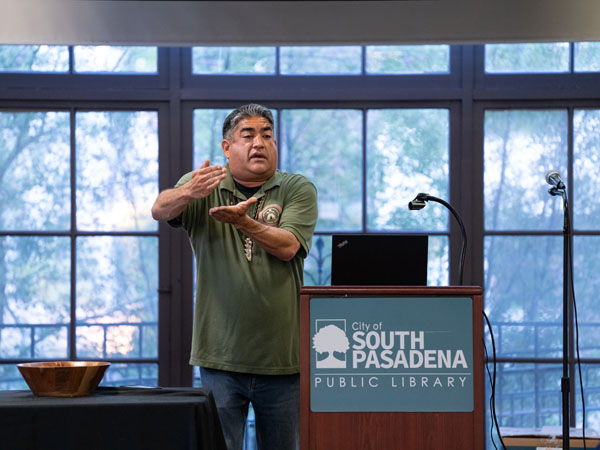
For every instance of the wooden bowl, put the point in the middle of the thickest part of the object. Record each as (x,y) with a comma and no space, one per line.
(63,378)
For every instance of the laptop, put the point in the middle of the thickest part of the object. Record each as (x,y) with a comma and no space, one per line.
(379,260)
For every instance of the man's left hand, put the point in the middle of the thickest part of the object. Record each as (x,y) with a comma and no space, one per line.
(234,214)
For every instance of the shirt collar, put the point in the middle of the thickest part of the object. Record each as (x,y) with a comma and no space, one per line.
(229,185)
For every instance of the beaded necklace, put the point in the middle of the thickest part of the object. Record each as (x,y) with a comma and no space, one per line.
(248,243)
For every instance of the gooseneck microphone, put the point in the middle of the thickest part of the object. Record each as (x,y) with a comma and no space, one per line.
(553,179)
(419,203)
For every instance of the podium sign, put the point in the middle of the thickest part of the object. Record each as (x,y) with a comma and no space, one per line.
(391,354)
(389,367)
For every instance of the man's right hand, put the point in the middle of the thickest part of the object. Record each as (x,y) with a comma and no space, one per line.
(204,180)
(171,202)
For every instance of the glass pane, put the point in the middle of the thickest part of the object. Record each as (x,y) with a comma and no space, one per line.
(109,59)
(131,375)
(438,261)
(233,60)
(591,386)
(523,294)
(587,57)
(586,261)
(117,170)
(586,159)
(35,293)
(317,265)
(208,134)
(307,135)
(34,171)
(527,395)
(527,58)
(408,59)
(11,379)
(407,153)
(34,58)
(520,148)
(320,60)
(117,300)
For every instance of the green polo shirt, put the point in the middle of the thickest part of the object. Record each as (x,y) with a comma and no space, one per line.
(246,316)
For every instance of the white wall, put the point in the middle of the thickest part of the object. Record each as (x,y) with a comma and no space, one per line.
(182,23)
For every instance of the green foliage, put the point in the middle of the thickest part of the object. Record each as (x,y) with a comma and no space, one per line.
(34,194)
(320,60)
(523,274)
(520,147)
(586,260)
(325,145)
(117,167)
(34,171)
(208,125)
(407,153)
(233,60)
(317,266)
(34,289)
(408,59)
(527,395)
(587,56)
(130,374)
(586,160)
(34,58)
(523,58)
(112,59)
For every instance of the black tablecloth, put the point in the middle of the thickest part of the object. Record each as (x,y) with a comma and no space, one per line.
(111,418)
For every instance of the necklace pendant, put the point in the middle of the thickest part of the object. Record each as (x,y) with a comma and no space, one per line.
(248,248)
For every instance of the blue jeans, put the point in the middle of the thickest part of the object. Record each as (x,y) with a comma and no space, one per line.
(276,403)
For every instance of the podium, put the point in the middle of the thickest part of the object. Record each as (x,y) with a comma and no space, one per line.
(388,368)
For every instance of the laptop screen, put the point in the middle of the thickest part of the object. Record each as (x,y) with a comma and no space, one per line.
(379,260)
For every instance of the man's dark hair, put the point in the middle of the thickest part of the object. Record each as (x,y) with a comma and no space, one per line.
(245,112)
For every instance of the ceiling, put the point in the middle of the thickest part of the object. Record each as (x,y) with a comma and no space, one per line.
(241,22)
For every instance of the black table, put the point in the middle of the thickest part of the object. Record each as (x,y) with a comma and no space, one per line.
(111,418)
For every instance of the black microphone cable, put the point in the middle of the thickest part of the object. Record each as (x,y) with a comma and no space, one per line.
(572,285)
(493,417)
(491,403)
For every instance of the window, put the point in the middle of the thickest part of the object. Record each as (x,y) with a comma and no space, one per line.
(542,58)
(90,59)
(79,255)
(322,60)
(86,273)
(326,145)
(523,256)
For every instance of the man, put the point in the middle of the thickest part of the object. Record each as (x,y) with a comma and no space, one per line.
(250,227)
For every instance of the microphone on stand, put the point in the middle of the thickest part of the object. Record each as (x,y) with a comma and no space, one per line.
(553,179)
(559,188)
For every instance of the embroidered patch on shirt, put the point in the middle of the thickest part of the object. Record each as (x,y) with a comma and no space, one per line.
(270,215)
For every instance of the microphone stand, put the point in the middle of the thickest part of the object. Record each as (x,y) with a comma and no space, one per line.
(565,383)
(419,203)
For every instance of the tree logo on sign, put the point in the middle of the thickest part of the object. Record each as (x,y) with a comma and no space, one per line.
(331,340)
